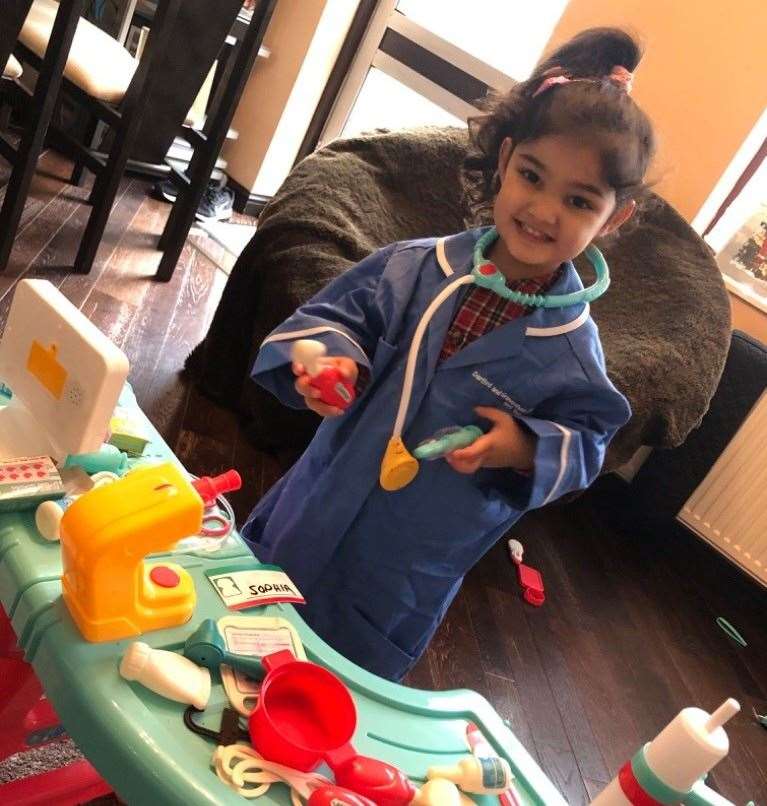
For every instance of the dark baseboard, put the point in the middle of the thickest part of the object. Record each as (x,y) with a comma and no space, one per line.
(246,202)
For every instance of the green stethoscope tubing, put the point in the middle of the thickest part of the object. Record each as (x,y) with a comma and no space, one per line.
(495,281)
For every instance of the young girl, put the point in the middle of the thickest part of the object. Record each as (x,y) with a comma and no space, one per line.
(561,158)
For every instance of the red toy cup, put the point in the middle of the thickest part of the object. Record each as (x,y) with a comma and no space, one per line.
(304,713)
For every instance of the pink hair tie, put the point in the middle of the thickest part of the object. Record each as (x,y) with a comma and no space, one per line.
(620,75)
(550,82)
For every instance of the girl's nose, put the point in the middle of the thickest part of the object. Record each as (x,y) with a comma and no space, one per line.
(544,211)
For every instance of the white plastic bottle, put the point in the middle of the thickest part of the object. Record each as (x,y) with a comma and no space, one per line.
(683,752)
(167,674)
(480,776)
(440,792)
(48,517)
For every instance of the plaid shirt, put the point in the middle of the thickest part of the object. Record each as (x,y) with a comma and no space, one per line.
(483,310)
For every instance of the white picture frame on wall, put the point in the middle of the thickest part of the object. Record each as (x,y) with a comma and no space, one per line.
(743,260)
(739,240)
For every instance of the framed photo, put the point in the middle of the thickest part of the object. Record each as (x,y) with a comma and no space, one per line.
(743,260)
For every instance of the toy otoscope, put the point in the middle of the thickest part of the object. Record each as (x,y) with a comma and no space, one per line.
(335,390)
(671,768)
(399,467)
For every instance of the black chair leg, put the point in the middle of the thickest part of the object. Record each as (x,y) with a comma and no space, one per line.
(103,196)
(181,215)
(6,111)
(41,109)
(93,195)
(204,160)
(90,139)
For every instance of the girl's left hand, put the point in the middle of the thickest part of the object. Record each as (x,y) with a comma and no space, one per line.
(507,444)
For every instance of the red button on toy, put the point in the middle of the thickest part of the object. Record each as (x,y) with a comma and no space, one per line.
(164,577)
(487,270)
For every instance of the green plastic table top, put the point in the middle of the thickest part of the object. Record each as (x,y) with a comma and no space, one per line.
(137,739)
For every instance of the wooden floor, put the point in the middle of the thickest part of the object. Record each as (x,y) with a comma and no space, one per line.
(627,635)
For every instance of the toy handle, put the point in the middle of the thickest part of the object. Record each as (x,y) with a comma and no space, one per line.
(340,756)
(337,796)
(382,783)
(252,667)
(701,795)
(277,659)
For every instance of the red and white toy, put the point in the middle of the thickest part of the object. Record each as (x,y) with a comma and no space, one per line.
(675,763)
(530,579)
(335,389)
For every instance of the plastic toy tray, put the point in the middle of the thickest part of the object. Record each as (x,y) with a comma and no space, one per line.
(137,739)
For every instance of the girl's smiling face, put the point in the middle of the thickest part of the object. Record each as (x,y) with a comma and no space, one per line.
(552,203)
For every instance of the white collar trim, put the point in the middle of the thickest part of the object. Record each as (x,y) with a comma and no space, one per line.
(444,263)
(558,330)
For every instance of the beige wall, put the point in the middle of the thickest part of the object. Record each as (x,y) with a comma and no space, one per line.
(749,319)
(702,81)
(304,37)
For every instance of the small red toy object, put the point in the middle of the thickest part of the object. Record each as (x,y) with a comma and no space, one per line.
(382,783)
(335,390)
(337,796)
(530,580)
(531,583)
(210,487)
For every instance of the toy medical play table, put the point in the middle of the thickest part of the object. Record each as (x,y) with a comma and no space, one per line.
(137,740)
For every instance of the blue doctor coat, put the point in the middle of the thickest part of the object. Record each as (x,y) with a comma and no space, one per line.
(379,569)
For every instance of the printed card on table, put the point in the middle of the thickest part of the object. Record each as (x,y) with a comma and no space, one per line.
(257,587)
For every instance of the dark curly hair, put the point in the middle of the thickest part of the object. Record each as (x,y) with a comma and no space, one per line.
(598,111)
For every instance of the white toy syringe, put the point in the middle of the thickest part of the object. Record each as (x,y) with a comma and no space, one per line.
(670,768)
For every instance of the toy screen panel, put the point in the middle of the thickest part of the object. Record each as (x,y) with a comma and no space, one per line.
(60,367)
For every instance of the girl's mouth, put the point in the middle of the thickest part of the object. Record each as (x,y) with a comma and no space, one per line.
(532,233)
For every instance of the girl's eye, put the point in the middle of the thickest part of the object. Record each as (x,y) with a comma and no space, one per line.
(581,203)
(531,176)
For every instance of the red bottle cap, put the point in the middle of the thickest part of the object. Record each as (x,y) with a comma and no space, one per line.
(210,487)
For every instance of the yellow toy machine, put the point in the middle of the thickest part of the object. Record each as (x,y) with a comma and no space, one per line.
(110,590)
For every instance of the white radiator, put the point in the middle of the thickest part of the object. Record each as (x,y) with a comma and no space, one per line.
(729,508)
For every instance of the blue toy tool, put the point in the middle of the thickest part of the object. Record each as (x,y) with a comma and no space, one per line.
(206,647)
(107,458)
(447,440)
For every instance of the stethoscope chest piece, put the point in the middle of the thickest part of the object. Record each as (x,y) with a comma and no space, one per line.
(398,467)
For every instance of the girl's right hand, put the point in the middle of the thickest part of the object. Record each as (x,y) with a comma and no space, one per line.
(346,366)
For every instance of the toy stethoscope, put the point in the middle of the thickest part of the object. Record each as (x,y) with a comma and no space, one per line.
(398,466)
